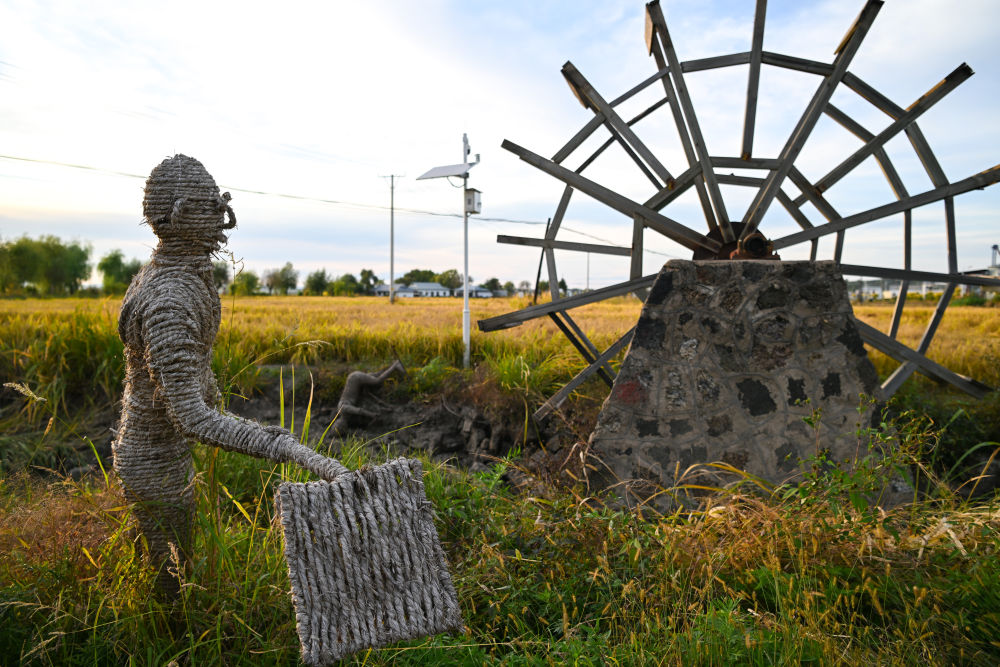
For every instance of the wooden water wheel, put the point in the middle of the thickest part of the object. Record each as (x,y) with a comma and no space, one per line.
(718,235)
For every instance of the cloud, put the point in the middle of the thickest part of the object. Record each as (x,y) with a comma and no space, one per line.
(323,100)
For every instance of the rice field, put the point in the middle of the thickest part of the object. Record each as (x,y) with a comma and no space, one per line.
(66,346)
(759,575)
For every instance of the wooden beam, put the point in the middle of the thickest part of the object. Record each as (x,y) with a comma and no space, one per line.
(898,351)
(904,286)
(893,110)
(669,228)
(976,182)
(582,345)
(715,62)
(628,137)
(753,80)
(586,163)
(582,135)
(682,133)
(914,275)
(721,217)
(565,245)
(720,162)
(792,148)
(635,266)
(796,214)
(560,396)
(732,179)
(540,310)
(812,193)
(681,185)
(796,64)
(929,99)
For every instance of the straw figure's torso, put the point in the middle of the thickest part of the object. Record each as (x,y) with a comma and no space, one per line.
(168,322)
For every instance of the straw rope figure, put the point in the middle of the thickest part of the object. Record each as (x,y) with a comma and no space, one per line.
(168,322)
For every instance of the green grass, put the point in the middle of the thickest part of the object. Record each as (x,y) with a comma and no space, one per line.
(751,574)
(814,574)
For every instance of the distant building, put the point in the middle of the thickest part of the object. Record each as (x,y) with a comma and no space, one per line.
(401,291)
(430,289)
(478,292)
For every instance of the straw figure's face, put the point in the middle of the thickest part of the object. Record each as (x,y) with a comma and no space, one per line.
(183,206)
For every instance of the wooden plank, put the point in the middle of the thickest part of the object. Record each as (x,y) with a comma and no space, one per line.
(624,144)
(604,371)
(838,248)
(897,313)
(914,111)
(891,175)
(681,185)
(586,163)
(715,62)
(796,64)
(542,309)
(682,133)
(553,228)
(582,135)
(873,96)
(796,214)
(560,396)
(565,245)
(926,155)
(550,264)
(978,181)
(721,217)
(635,266)
(812,194)
(893,110)
(807,122)
(732,179)
(905,370)
(669,228)
(952,242)
(541,259)
(753,79)
(638,88)
(629,138)
(933,370)
(720,162)
(848,123)
(914,275)
(607,372)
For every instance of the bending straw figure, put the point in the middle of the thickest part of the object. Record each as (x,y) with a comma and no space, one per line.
(168,322)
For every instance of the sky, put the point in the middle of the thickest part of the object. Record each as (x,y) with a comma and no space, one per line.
(317,104)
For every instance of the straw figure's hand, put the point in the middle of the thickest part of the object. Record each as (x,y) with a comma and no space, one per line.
(289,449)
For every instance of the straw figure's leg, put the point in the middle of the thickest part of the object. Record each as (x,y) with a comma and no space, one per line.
(168,322)
(357,382)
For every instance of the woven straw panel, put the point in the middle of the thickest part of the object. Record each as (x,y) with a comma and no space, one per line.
(364,560)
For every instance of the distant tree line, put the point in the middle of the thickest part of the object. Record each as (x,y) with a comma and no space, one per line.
(50,267)
(45,266)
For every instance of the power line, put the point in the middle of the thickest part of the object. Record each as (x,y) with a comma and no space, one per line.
(333,202)
(267,193)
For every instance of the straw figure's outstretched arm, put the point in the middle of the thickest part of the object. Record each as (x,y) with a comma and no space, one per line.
(176,358)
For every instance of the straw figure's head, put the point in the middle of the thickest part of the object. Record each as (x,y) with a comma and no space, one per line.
(183,206)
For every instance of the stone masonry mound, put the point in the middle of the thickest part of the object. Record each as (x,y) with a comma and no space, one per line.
(728,360)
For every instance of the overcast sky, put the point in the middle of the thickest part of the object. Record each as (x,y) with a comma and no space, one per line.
(325,100)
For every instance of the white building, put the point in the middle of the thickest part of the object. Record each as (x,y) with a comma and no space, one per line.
(401,291)
(430,289)
(478,292)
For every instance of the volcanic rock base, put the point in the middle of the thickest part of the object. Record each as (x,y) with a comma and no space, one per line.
(728,362)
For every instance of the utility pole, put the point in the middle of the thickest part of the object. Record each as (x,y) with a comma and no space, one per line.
(470,204)
(466,326)
(392,236)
